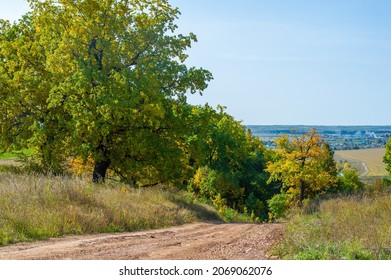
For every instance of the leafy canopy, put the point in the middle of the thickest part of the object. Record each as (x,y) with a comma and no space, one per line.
(99,79)
(227,162)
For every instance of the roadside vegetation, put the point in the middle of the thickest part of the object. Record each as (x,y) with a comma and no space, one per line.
(356,227)
(350,221)
(35,207)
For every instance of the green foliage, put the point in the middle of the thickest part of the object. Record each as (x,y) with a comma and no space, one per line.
(348,181)
(255,206)
(25,123)
(226,162)
(230,215)
(304,165)
(16,154)
(279,205)
(221,188)
(101,80)
(204,182)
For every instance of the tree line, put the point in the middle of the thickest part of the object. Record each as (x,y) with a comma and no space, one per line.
(106,81)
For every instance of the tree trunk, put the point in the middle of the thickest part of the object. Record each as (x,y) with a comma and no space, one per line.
(99,173)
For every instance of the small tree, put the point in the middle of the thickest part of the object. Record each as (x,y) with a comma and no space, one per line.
(349,181)
(304,165)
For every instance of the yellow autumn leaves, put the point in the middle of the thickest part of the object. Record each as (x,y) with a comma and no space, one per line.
(304,165)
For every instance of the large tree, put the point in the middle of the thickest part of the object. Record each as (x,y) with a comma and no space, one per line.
(99,79)
(304,165)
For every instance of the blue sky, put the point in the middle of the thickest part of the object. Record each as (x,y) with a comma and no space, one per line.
(289,62)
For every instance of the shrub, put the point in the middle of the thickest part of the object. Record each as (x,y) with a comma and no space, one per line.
(204,182)
(254,205)
(349,181)
(222,188)
(279,205)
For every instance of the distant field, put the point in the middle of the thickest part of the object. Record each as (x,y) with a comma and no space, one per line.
(373,159)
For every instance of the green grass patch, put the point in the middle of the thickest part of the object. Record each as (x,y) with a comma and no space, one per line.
(355,228)
(35,207)
(16,154)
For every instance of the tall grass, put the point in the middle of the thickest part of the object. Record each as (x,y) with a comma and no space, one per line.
(342,228)
(37,207)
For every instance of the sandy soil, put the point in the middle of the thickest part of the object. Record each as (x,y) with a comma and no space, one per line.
(200,241)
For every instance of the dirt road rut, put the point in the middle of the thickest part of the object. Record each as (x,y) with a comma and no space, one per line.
(200,241)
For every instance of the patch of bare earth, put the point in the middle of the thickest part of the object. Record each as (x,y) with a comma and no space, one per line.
(200,241)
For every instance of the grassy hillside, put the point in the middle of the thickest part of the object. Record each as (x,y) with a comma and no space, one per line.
(38,207)
(342,228)
(373,158)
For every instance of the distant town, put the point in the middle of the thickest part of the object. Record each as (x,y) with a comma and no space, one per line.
(339,137)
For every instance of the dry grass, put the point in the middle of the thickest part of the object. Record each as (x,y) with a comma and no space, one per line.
(343,228)
(37,207)
(373,158)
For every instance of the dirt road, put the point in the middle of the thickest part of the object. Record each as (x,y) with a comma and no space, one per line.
(201,241)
